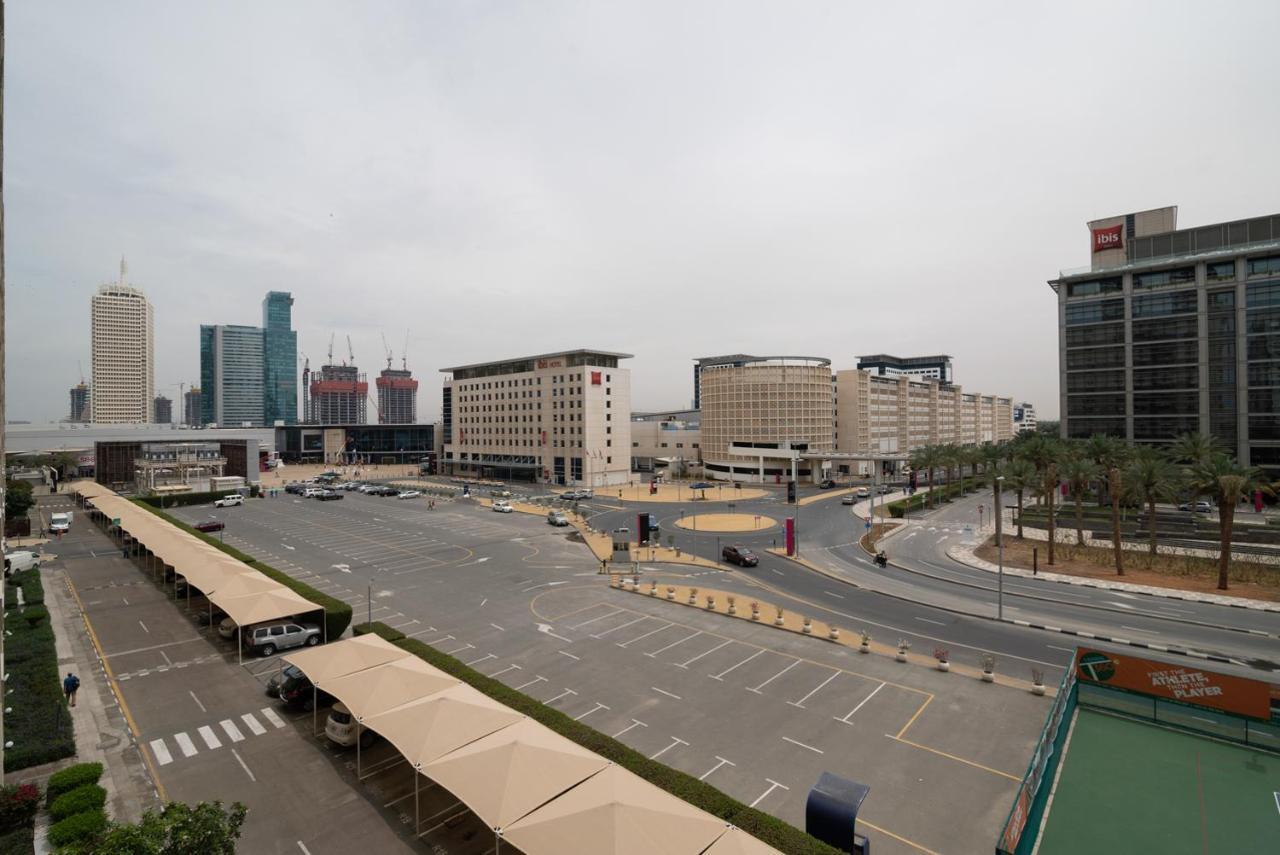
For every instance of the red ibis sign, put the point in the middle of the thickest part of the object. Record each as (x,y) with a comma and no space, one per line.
(1111,237)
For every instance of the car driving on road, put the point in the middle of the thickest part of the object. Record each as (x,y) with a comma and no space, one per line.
(739,555)
(502,506)
(557,518)
(209,526)
(848,499)
(409,494)
(231,501)
(1200,507)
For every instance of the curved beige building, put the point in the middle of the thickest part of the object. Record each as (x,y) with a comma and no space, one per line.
(759,413)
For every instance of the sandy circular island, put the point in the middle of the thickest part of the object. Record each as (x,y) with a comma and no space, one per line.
(726,522)
(680,492)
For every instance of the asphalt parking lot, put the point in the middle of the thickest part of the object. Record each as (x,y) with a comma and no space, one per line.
(208,731)
(758,713)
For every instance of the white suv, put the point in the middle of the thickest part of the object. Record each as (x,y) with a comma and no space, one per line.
(312,492)
(231,501)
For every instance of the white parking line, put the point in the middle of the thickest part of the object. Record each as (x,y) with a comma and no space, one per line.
(833,594)
(253,724)
(665,692)
(675,740)
(570,655)
(926,620)
(720,676)
(505,670)
(498,628)
(599,706)
(210,739)
(530,683)
(270,715)
(646,635)
(800,703)
(723,762)
(674,643)
(774,677)
(802,745)
(594,619)
(635,722)
(623,626)
(549,701)
(161,752)
(185,744)
(773,785)
(699,656)
(197,700)
(240,760)
(860,703)
(232,731)
(305,850)
(459,650)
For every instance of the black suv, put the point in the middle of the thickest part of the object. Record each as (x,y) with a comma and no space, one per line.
(329,496)
(739,555)
(827,484)
(294,689)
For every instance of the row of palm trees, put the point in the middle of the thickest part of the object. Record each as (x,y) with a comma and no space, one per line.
(1193,464)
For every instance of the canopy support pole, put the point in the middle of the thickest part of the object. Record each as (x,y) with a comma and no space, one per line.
(240,644)
(416,819)
(315,701)
(358,741)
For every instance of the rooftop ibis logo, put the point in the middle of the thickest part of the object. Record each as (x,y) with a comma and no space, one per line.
(1097,666)
(1111,237)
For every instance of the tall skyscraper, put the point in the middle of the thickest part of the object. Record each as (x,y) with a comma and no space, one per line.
(231,375)
(192,413)
(279,359)
(397,397)
(250,374)
(79,403)
(163,408)
(338,396)
(123,351)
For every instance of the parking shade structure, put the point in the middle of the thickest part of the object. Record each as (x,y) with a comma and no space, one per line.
(618,812)
(513,771)
(384,687)
(322,664)
(431,727)
(735,841)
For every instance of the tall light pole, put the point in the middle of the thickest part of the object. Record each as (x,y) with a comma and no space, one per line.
(3,686)
(996,509)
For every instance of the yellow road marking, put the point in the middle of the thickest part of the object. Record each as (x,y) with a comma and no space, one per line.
(913,718)
(144,749)
(958,759)
(897,837)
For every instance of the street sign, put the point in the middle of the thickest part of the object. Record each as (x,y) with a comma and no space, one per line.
(115,521)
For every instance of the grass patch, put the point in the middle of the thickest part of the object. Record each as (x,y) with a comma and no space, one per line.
(40,724)
(337,613)
(759,824)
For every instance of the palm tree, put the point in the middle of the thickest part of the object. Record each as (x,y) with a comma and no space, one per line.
(1225,481)
(1111,454)
(1079,472)
(1194,447)
(925,458)
(1150,478)
(1045,454)
(1019,476)
(990,456)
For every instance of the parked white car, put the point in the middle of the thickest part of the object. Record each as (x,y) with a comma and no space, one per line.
(502,506)
(312,492)
(231,501)
(409,494)
(19,560)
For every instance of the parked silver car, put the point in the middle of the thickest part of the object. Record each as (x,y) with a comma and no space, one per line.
(267,638)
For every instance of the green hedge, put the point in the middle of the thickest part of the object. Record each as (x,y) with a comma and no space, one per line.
(40,724)
(764,827)
(20,841)
(71,778)
(941,493)
(18,806)
(181,500)
(81,799)
(78,828)
(337,613)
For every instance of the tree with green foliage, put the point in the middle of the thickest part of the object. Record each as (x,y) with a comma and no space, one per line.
(1111,455)
(926,458)
(1150,478)
(178,829)
(1225,482)
(17,499)
(1078,472)
(1194,447)
(1019,476)
(1045,454)
(1048,427)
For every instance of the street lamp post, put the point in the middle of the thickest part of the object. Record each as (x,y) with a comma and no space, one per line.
(999,547)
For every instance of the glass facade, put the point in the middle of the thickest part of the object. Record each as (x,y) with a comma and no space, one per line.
(238,379)
(1262,343)
(208,371)
(279,359)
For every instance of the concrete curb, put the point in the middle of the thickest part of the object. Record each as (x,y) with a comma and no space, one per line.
(965,555)
(1163,648)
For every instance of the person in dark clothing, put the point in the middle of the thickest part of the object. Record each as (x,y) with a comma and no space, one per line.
(70,685)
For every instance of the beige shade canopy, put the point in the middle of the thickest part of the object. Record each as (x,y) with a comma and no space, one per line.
(344,657)
(384,687)
(432,727)
(241,585)
(617,812)
(509,773)
(267,605)
(735,841)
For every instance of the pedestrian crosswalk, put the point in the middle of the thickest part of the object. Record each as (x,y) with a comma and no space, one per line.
(187,747)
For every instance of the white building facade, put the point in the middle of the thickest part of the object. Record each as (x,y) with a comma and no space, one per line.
(123,355)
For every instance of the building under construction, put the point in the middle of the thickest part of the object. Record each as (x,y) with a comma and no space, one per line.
(397,397)
(79,403)
(337,395)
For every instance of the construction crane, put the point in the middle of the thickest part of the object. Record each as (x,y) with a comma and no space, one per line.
(80,366)
(387,348)
(330,348)
(351,352)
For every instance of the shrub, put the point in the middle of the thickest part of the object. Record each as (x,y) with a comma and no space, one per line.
(337,614)
(182,500)
(79,800)
(18,805)
(79,828)
(71,778)
(35,614)
(39,725)
(764,827)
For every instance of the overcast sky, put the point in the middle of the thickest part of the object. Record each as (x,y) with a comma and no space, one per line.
(671,180)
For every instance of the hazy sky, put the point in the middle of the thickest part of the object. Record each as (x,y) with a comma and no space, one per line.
(672,180)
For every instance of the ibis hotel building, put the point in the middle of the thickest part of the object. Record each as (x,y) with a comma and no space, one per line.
(557,418)
(1173,330)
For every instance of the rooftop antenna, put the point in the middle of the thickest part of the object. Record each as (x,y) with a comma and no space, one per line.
(404,356)
(124,270)
(387,348)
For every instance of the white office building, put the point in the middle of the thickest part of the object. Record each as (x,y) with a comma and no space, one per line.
(123,355)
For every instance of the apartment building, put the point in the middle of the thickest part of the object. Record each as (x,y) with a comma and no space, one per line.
(560,418)
(1174,330)
(122,332)
(668,441)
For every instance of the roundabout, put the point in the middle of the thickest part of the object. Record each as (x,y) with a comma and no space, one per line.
(729,523)
(679,491)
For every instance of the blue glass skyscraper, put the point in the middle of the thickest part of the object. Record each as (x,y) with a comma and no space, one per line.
(249,375)
(279,359)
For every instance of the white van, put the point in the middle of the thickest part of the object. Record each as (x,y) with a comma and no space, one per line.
(59,522)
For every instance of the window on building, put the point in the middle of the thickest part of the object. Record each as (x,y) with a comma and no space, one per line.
(1219,271)
(1158,305)
(1156,278)
(1091,288)
(1268,265)
(1095,312)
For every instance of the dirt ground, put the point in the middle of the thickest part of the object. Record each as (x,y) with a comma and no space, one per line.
(1255,581)
(726,522)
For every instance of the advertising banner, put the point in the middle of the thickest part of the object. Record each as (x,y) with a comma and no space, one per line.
(791,535)
(1111,237)
(1182,683)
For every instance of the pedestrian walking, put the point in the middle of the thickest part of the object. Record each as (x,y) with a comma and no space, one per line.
(70,685)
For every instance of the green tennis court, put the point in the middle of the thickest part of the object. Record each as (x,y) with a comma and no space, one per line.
(1126,786)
